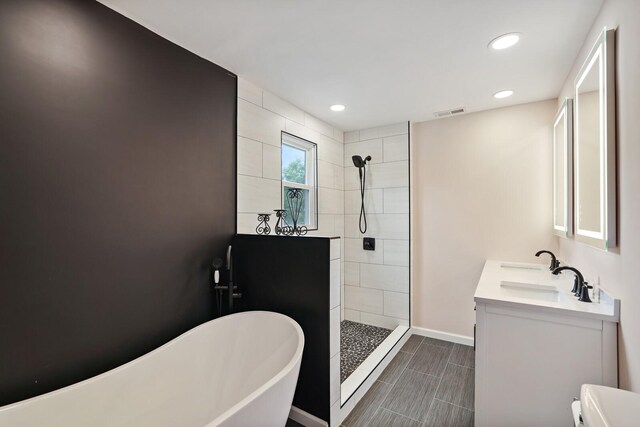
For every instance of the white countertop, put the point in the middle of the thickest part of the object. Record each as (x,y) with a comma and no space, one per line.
(493,287)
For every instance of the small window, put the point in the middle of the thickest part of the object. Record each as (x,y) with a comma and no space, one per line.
(299,165)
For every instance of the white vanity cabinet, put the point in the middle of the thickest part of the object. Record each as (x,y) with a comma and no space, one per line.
(534,352)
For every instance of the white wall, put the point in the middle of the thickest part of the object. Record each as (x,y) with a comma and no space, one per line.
(619,269)
(376,283)
(262,117)
(481,189)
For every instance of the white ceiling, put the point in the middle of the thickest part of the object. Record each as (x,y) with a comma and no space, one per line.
(386,60)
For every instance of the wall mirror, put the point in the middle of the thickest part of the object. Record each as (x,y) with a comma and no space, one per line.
(562,169)
(595,146)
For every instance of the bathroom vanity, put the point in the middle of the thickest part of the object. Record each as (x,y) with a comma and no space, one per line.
(536,344)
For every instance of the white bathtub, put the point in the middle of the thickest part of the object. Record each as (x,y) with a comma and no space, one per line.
(239,370)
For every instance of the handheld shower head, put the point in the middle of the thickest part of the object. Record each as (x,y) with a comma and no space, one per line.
(358,162)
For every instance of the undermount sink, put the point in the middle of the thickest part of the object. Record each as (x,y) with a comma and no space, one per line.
(538,291)
(522,266)
(607,406)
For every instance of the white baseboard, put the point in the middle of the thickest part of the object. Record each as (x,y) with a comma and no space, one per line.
(305,418)
(444,336)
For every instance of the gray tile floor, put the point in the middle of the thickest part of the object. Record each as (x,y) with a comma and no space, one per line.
(429,383)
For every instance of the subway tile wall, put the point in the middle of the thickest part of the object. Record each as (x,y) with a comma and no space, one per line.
(262,116)
(376,283)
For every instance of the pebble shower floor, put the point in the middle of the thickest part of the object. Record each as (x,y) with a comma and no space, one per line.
(357,342)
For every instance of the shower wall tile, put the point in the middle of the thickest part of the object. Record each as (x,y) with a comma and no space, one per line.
(353,136)
(386,277)
(249,92)
(387,203)
(396,252)
(334,249)
(352,273)
(353,252)
(262,116)
(381,320)
(320,127)
(380,226)
(330,201)
(334,293)
(396,304)
(259,124)
(249,157)
(334,331)
(371,148)
(395,148)
(361,299)
(279,106)
(396,200)
(352,315)
(271,162)
(389,175)
(384,131)
(257,194)
(374,202)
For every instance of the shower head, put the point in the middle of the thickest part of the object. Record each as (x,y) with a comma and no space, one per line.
(358,162)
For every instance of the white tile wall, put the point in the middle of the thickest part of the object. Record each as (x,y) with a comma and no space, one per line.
(352,273)
(334,331)
(396,148)
(385,270)
(371,148)
(257,194)
(395,304)
(363,299)
(262,116)
(353,252)
(254,122)
(279,106)
(249,92)
(387,277)
(373,201)
(396,252)
(387,175)
(380,226)
(384,131)
(271,161)
(249,157)
(334,294)
(396,200)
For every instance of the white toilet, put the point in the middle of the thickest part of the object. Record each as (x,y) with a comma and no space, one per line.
(601,406)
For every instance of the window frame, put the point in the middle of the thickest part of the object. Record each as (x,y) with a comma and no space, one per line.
(311,170)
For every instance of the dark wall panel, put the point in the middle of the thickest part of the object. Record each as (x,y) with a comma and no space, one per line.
(117,188)
(291,275)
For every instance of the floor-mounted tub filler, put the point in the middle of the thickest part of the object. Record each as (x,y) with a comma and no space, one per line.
(239,370)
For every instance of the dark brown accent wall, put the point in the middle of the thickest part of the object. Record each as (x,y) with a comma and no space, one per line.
(117,188)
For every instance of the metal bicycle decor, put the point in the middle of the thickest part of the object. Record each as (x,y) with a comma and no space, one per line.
(263,224)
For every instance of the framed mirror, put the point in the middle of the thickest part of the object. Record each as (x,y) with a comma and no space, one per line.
(562,170)
(595,146)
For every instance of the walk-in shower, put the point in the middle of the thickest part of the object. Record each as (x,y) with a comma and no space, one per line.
(375,301)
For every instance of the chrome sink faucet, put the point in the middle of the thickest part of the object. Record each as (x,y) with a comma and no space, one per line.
(582,288)
(554,261)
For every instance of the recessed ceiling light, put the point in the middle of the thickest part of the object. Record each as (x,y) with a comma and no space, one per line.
(337,107)
(504,41)
(503,94)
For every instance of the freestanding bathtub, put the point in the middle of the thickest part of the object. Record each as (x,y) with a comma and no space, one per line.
(239,370)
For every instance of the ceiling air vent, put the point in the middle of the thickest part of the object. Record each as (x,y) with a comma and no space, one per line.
(448,113)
